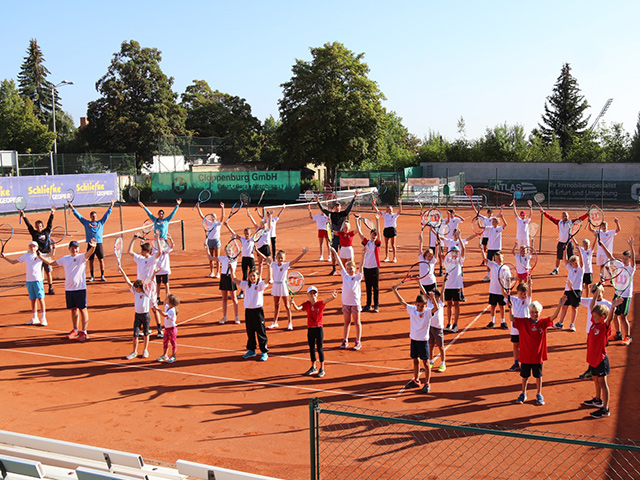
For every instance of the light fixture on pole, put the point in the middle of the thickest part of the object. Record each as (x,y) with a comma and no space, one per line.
(53,104)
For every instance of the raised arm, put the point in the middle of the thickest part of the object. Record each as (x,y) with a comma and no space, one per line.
(351,203)
(199,211)
(130,250)
(631,242)
(12,262)
(295,260)
(331,298)
(124,275)
(554,315)
(398,296)
(359,228)
(502,219)
(226,224)
(92,248)
(399,205)
(337,257)
(251,218)
(175,210)
(322,209)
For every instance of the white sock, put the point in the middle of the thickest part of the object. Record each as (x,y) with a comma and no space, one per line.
(493,319)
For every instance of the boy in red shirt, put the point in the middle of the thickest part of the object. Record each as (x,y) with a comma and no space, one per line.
(315,332)
(533,346)
(601,317)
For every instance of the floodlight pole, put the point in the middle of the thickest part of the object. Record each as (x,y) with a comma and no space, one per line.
(53,105)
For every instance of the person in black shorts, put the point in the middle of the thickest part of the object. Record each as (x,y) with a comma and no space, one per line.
(40,234)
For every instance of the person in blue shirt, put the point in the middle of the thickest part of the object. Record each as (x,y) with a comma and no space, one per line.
(93,229)
(161,223)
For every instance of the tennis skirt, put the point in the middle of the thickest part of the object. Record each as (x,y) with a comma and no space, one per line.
(279,289)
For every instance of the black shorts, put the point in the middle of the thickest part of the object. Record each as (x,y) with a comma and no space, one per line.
(47,267)
(389,232)
(265,250)
(485,241)
(602,370)
(515,338)
(623,308)
(419,349)
(142,325)
(587,278)
(429,288)
(526,369)
(226,283)
(573,298)
(496,299)
(560,249)
(436,336)
(453,294)
(162,278)
(76,299)
(98,252)
(491,253)
(335,243)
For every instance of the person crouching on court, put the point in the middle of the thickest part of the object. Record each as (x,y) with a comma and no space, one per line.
(533,346)
(419,325)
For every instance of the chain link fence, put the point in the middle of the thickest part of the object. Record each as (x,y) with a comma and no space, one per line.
(352,442)
(71,163)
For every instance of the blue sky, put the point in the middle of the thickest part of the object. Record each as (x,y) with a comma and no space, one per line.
(489,62)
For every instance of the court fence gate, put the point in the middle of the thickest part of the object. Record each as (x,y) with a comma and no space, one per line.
(352,442)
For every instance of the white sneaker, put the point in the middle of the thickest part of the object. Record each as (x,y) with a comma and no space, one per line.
(572,327)
(223,320)
(273,325)
(290,327)
(329,259)
(321,259)
(237,320)
(33,321)
(145,354)
(486,279)
(43,322)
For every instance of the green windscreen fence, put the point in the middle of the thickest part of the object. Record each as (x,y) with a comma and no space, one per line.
(277,185)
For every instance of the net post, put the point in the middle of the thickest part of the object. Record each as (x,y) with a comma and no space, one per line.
(540,232)
(182,233)
(313,438)
(66,229)
(120,210)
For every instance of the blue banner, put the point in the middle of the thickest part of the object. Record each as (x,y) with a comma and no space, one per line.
(45,191)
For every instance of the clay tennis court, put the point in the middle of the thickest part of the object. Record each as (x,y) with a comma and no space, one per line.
(213,407)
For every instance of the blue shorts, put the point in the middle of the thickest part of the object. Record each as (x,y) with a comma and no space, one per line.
(76,299)
(35,289)
(213,243)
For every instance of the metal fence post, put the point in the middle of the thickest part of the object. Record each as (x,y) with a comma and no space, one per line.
(313,438)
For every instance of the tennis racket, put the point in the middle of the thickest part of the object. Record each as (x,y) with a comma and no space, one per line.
(366,222)
(539,198)
(622,280)
(20,203)
(330,196)
(117,250)
(329,233)
(70,195)
(149,288)
(507,277)
(134,194)
(478,225)
(208,224)
(417,271)
(235,209)
(468,190)
(574,228)
(451,261)
(518,194)
(611,269)
(203,197)
(295,282)
(258,234)
(529,259)
(262,196)
(163,245)
(233,248)
(147,228)
(596,216)
(382,189)
(245,198)
(534,228)
(6,232)
(479,201)
(56,236)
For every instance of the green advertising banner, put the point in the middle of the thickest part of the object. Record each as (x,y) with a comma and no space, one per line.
(277,185)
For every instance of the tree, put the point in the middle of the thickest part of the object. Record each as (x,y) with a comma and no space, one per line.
(634,149)
(564,112)
(33,83)
(331,111)
(20,129)
(270,148)
(397,148)
(217,114)
(136,107)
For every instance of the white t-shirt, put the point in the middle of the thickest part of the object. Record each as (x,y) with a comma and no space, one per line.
(494,285)
(453,224)
(523,263)
(586,302)
(321,221)
(33,266)
(254,294)
(628,292)
(279,272)
(429,278)
(494,234)
(419,323)
(575,276)
(437,319)
(263,240)
(449,242)
(74,272)
(520,309)
(390,219)
(587,256)
(522,230)
(141,302)
(171,320)
(145,266)
(247,247)
(454,278)
(563,231)
(607,240)
(224,265)
(274,220)
(351,289)
(370,258)
(213,228)
(163,263)
(487,222)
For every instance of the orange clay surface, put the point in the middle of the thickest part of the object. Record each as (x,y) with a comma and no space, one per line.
(213,407)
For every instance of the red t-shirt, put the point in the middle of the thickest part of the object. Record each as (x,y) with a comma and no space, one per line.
(597,343)
(533,339)
(314,313)
(346,238)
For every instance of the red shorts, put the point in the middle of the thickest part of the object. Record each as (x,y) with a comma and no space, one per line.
(523,276)
(322,234)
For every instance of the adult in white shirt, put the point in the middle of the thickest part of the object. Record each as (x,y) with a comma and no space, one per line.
(322,221)
(522,224)
(35,285)
(75,286)
(606,236)
(390,231)
(212,226)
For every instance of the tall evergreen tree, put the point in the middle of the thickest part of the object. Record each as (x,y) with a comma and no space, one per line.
(33,83)
(634,150)
(564,112)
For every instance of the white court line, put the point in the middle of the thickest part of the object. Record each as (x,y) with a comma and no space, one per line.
(200,316)
(200,375)
(450,343)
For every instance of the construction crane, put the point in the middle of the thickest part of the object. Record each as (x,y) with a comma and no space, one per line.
(601,114)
